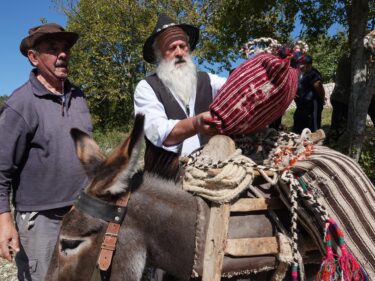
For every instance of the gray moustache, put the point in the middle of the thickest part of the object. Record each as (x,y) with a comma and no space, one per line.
(179,60)
(61,64)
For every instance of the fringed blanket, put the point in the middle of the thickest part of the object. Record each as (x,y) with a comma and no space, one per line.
(349,197)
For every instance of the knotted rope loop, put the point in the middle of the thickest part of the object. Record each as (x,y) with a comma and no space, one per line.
(222,181)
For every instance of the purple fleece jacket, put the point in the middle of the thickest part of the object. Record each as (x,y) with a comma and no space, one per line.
(37,154)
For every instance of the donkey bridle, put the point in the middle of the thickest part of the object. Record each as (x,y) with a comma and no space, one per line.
(114,215)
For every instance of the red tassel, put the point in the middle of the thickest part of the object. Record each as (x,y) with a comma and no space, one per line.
(327,270)
(350,268)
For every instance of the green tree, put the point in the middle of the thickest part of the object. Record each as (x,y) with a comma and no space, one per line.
(326,51)
(107,60)
(2,100)
(228,24)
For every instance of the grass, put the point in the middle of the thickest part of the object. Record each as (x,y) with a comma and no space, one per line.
(287,120)
(109,139)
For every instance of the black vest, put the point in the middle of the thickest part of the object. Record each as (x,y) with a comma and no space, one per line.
(173,109)
(158,160)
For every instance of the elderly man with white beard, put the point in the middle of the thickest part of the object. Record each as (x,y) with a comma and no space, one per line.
(175,99)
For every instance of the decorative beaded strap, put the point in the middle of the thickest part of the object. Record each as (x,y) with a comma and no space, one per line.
(270,46)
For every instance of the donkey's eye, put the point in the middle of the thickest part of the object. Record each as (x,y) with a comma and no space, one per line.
(73,246)
(67,244)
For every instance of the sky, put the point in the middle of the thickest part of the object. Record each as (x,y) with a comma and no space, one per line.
(16,17)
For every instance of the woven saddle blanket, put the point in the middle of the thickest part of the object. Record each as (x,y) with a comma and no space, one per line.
(337,181)
(348,196)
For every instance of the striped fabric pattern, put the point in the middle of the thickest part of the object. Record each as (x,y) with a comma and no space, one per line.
(255,94)
(349,198)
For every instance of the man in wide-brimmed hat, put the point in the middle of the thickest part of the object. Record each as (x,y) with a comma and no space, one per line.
(176,98)
(37,154)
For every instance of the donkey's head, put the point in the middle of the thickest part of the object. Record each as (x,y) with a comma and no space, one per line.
(81,234)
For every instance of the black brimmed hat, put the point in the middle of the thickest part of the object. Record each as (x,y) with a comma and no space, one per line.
(162,24)
(46,31)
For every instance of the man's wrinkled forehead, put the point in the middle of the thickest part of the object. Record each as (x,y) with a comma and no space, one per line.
(170,35)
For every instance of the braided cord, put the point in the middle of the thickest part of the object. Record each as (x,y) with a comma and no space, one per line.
(237,174)
(293,184)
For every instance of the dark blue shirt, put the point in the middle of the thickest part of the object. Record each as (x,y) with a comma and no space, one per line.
(306,91)
(37,153)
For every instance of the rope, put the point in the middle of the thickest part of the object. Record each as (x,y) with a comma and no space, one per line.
(222,186)
(293,183)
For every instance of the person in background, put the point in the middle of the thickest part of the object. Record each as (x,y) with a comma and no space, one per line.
(310,97)
(37,154)
(175,99)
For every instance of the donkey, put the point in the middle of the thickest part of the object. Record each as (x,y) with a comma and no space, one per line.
(159,226)
(159,223)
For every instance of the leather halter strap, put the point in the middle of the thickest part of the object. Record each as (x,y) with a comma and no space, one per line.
(100,209)
(113,214)
(110,237)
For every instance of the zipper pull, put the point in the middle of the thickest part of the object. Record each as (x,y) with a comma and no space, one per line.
(62,105)
(187,110)
(62,98)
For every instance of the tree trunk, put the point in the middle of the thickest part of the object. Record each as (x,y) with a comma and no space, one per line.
(370,88)
(359,100)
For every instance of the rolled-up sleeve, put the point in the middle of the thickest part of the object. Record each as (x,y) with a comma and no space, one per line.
(13,144)
(157,125)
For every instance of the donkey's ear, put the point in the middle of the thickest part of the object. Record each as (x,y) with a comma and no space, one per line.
(88,151)
(136,136)
(129,151)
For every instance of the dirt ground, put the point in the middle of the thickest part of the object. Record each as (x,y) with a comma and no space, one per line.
(8,271)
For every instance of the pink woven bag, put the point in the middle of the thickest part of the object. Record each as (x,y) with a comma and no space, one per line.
(255,94)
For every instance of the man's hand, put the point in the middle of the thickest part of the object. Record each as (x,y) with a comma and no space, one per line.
(9,240)
(203,124)
(185,128)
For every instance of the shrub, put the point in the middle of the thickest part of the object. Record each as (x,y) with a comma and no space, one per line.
(2,100)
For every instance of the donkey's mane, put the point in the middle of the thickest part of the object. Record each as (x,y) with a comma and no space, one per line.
(162,189)
(165,216)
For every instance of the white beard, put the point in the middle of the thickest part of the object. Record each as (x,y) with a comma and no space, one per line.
(180,79)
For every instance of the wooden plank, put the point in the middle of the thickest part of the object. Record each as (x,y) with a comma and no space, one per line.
(256,204)
(215,242)
(252,247)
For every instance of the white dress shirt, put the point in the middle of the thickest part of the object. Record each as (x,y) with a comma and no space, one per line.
(157,125)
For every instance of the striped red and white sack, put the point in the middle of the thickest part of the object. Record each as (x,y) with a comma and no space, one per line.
(255,94)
